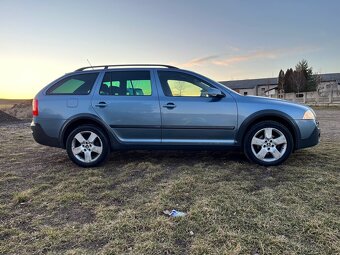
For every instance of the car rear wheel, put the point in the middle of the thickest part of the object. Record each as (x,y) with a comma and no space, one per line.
(268,143)
(87,146)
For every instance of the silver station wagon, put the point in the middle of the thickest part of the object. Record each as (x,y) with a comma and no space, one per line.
(98,109)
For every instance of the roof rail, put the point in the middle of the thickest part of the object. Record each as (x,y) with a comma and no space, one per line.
(125,65)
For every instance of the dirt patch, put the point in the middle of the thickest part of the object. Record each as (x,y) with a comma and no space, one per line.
(329,123)
(21,110)
(6,118)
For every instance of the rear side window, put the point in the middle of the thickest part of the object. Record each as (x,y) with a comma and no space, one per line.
(80,84)
(126,83)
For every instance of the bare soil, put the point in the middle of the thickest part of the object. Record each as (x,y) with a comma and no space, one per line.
(6,118)
(20,109)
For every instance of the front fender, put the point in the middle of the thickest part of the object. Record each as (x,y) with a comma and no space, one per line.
(262,115)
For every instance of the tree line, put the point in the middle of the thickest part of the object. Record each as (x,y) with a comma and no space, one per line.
(301,79)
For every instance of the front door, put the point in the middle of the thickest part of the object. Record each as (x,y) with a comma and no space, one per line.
(128,102)
(190,116)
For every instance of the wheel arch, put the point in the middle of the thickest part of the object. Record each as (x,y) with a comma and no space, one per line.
(85,119)
(272,115)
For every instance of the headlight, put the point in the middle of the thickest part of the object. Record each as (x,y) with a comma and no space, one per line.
(309,115)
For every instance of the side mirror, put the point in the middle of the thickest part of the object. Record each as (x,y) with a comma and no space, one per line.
(212,92)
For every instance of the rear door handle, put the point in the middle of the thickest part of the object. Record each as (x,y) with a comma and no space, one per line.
(101,104)
(169,106)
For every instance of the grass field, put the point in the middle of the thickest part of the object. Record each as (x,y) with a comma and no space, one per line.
(50,206)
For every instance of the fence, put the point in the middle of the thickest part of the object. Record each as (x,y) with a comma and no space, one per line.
(314,98)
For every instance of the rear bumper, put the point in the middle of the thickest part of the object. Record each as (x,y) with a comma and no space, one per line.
(312,140)
(41,137)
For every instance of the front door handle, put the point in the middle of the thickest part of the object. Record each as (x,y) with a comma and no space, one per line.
(101,104)
(169,105)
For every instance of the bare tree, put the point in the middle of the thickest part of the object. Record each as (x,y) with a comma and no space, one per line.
(281,79)
(317,79)
(299,80)
(179,87)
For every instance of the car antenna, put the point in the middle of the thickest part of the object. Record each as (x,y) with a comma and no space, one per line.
(89,63)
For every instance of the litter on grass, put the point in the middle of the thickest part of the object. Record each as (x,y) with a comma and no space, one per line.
(174,213)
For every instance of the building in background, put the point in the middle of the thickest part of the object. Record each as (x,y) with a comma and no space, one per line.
(329,83)
(254,87)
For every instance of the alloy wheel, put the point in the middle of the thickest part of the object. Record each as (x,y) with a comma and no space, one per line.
(268,144)
(87,146)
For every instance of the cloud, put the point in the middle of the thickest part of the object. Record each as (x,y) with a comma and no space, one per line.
(220,60)
(233,48)
(247,57)
(198,61)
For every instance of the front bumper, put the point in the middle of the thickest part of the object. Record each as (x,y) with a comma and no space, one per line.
(41,137)
(312,140)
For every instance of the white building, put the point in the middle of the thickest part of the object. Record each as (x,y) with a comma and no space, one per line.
(330,83)
(256,87)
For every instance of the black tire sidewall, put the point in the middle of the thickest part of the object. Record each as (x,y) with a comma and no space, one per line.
(97,131)
(267,124)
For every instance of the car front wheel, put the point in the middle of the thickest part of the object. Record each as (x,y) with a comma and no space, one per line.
(268,143)
(87,146)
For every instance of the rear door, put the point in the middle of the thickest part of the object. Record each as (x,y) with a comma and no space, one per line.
(128,102)
(190,116)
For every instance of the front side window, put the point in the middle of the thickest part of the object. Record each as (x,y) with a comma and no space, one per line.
(126,83)
(80,84)
(176,84)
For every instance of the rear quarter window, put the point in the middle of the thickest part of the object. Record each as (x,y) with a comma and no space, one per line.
(80,84)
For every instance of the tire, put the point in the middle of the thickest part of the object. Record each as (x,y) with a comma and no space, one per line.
(268,143)
(87,146)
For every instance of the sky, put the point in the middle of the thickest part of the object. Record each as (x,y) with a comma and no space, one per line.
(223,40)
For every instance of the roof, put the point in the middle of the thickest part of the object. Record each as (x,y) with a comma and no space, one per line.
(330,77)
(252,83)
(249,84)
(275,88)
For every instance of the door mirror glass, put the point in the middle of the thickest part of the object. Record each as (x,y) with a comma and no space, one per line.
(212,92)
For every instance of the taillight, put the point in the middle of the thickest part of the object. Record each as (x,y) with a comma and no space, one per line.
(35,111)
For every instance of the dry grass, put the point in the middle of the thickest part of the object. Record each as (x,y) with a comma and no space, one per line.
(50,206)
